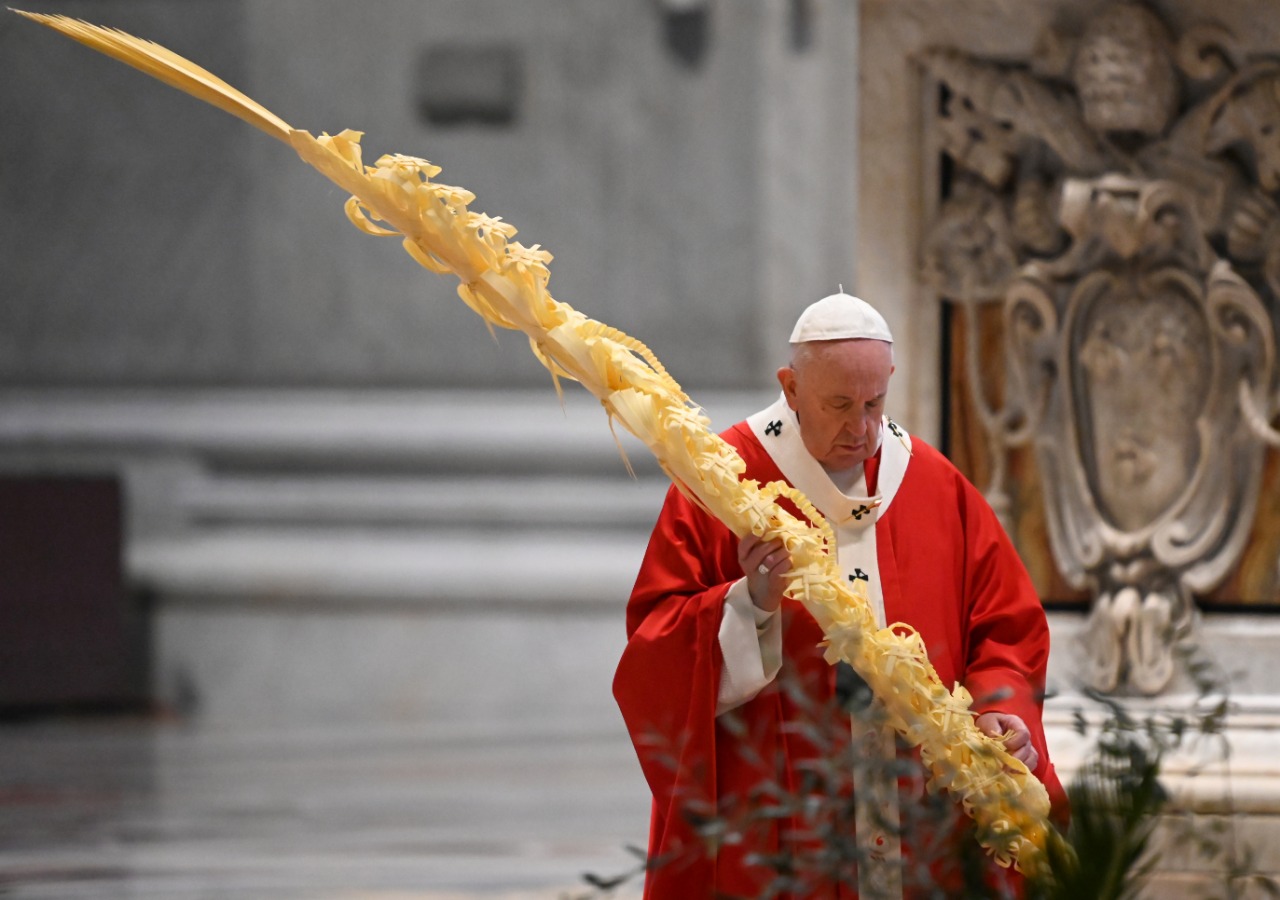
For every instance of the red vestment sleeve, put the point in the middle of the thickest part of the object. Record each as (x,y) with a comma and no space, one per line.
(1008,638)
(950,570)
(668,680)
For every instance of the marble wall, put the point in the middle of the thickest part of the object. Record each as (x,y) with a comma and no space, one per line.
(147,239)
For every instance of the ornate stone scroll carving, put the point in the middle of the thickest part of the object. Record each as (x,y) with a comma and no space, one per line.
(1117,195)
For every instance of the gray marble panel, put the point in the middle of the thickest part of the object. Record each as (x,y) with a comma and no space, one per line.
(628,169)
(122,205)
(149,239)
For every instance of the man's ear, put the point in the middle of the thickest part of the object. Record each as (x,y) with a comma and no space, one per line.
(787,378)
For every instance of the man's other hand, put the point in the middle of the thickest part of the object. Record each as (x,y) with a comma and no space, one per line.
(997,725)
(766,565)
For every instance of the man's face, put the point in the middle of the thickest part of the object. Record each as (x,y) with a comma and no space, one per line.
(837,390)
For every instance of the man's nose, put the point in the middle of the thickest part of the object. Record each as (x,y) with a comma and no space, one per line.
(857,424)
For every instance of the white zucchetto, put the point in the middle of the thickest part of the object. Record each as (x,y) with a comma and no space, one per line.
(840,317)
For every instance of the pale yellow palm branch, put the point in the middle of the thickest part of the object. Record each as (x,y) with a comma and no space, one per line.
(505,282)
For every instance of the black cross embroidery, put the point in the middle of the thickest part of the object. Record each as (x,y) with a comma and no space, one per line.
(859,575)
(893,427)
(774,428)
(861,511)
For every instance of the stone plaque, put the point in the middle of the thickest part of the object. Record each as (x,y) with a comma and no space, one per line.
(1114,194)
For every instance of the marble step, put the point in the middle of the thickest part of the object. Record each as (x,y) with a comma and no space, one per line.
(306,429)
(530,568)
(405,501)
(195,459)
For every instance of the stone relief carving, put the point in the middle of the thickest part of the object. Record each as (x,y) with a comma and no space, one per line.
(1116,195)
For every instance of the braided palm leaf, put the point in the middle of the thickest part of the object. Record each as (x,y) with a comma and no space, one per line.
(505,283)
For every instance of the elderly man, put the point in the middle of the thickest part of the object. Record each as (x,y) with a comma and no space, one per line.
(735,716)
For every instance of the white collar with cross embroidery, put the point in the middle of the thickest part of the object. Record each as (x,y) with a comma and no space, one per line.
(851,518)
(779,433)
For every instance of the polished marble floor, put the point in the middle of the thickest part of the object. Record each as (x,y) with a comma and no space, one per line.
(112,808)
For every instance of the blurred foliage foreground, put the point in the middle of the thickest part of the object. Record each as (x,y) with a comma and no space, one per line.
(1125,824)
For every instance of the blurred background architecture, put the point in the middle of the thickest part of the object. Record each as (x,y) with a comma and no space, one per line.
(268,488)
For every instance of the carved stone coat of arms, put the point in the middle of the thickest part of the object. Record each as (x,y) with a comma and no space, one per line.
(1116,196)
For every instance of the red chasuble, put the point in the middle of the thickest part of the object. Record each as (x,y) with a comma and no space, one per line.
(946,567)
